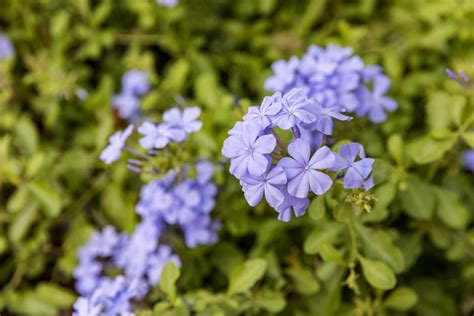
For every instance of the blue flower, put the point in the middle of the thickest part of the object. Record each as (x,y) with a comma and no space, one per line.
(468,159)
(113,151)
(335,78)
(205,171)
(127,105)
(269,184)
(249,152)
(357,171)
(324,115)
(185,120)
(167,3)
(135,82)
(263,114)
(289,204)
(294,110)
(302,171)
(201,231)
(158,136)
(374,103)
(285,73)
(6,47)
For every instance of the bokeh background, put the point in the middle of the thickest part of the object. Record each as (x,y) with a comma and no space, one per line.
(56,115)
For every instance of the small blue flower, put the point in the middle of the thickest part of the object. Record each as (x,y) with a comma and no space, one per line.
(185,120)
(127,105)
(374,103)
(167,3)
(269,184)
(249,152)
(357,171)
(302,171)
(285,73)
(294,110)
(468,159)
(6,47)
(135,82)
(324,115)
(113,151)
(291,204)
(264,114)
(158,136)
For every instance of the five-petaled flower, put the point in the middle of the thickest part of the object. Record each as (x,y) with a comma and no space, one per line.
(357,171)
(302,171)
(249,151)
(113,151)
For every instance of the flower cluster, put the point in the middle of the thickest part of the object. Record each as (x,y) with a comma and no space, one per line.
(335,78)
(284,174)
(139,256)
(175,199)
(186,204)
(6,47)
(135,84)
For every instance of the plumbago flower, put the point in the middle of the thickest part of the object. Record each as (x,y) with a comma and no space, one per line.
(285,174)
(173,198)
(356,172)
(185,120)
(158,136)
(6,47)
(468,159)
(249,151)
(117,141)
(302,170)
(335,78)
(135,84)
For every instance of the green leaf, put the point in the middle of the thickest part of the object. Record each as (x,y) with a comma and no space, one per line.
(411,247)
(402,298)
(207,89)
(29,303)
(469,138)
(377,244)
(330,254)
(168,279)
(244,277)
(22,222)
(176,76)
(395,147)
(26,135)
(418,199)
(343,212)
(382,171)
(117,208)
(378,274)
(273,302)
(55,295)
(312,13)
(425,149)
(437,110)
(317,208)
(47,196)
(304,281)
(321,235)
(450,209)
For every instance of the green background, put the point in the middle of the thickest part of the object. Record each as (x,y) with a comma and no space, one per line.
(54,192)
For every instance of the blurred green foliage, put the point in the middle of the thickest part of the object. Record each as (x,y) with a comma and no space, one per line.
(413,253)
